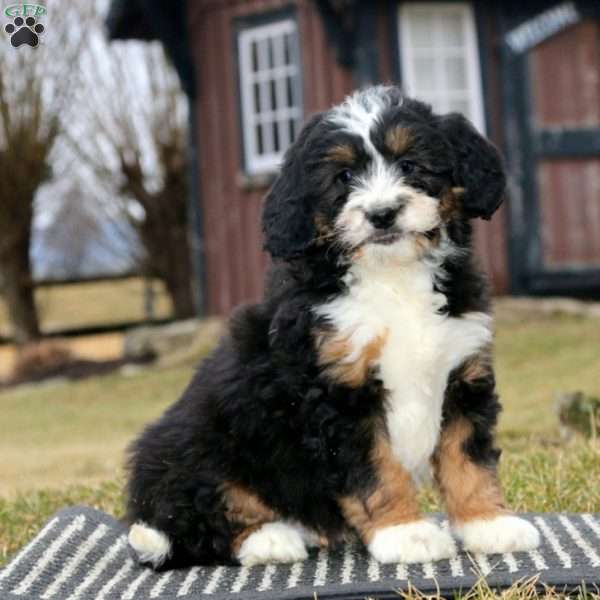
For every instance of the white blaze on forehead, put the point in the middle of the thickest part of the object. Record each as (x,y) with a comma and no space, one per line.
(378,188)
(360,111)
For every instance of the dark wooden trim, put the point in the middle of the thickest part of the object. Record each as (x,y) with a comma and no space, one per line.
(481,10)
(263,17)
(392,8)
(366,69)
(567,143)
(569,282)
(518,154)
(196,216)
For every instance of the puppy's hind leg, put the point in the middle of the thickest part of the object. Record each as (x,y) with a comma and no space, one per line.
(151,545)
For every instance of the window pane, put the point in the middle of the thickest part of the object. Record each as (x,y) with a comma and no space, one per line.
(276,144)
(259,140)
(256,89)
(288,48)
(263,54)
(253,45)
(452,30)
(425,79)
(271,53)
(456,73)
(290,91)
(461,106)
(273,93)
(421,28)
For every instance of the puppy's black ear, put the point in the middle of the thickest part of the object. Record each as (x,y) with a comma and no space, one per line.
(478,167)
(287,218)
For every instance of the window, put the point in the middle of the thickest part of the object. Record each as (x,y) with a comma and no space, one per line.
(440,59)
(270,92)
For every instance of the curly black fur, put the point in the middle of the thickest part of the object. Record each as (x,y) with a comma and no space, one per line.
(260,411)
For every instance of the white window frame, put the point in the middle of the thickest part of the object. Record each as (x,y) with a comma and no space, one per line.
(470,51)
(269,160)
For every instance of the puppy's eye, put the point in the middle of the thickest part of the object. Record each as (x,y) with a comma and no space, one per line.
(345,176)
(407,167)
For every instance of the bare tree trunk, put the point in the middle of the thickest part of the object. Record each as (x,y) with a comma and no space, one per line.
(178,278)
(169,259)
(18,290)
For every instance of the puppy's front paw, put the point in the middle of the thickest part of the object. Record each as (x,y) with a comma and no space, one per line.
(505,533)
(273,543)
(420,541)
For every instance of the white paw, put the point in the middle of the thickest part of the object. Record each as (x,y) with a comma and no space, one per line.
(506,533)
(421,541)
(273,543)
(151,545)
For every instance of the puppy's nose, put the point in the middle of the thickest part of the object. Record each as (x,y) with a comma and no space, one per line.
(384,218)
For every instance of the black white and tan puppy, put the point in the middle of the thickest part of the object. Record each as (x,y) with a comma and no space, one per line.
(366,367)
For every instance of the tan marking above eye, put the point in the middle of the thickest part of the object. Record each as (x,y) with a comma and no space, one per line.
(342,153)
(398,139)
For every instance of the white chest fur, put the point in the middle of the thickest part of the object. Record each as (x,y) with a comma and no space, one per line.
(421,349)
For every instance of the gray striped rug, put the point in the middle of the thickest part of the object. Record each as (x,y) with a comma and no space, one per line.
(83,554)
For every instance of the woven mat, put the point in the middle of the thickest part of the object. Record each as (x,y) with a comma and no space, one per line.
(83,553)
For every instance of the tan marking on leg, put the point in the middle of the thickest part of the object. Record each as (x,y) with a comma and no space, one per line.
(342,363)
(241,537)
(342,153)
(398,139)
(477,367)
(242,507)
(393,502)
(470,491)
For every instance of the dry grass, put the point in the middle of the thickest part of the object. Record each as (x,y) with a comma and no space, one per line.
(106,346)
(86,304)
(63,444)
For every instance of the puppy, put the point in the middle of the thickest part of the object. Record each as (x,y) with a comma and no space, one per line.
(366,366)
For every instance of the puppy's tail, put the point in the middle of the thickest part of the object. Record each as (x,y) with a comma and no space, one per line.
(151,545)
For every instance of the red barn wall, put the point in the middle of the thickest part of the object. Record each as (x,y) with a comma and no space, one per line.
(231,205)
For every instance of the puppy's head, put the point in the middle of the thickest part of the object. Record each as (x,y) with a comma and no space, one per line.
(380,177)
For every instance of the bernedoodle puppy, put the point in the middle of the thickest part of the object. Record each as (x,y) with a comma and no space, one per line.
(366,368)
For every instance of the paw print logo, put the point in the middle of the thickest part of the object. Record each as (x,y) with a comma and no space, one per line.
(24,31)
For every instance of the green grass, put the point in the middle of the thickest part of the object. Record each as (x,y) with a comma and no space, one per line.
(538,357)
(62,434)
(63,444)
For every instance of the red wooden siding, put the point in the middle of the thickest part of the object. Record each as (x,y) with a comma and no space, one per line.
(565,81)
(235,263)
(491,239)
(569,192)
(565,78)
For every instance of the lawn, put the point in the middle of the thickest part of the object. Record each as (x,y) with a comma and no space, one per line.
(63,443)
